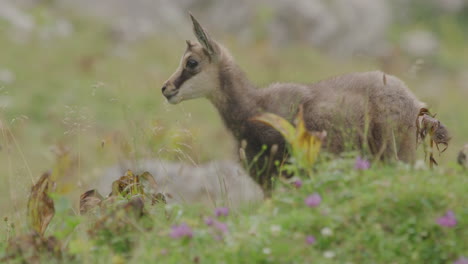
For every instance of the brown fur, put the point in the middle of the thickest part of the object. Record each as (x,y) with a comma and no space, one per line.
(367,110)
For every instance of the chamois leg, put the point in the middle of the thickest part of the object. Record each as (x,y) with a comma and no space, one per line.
(407,146)
(261,172)
(264,180)
(382,142)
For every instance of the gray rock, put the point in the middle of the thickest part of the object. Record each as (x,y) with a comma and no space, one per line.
(214,183)
(420,43)
(15,16)
(451,6)
(337,26)
(6,76)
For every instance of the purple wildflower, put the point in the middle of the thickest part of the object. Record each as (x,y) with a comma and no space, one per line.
(209,221)
(461,260)
(313,200)
(448,220)
(180,231)
(222,211)
(310,240)
(297,184)
(220,226)
(220,229)
(361,164)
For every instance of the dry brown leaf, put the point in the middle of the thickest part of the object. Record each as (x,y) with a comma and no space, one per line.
(129,184)
(40,205)
(135,206)
(89,200)
(148,180)
(150,188)
(118,218)
(132,190)
(158,198)
(32,248)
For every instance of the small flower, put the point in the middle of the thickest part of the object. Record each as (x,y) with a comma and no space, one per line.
(220,229)
(420,165)
(310,240)
(448,220)
(220,226)
(361,164)
(181,231)
(297,184)
(209,221)
(326,231)
(461,260)
(297,235)
(222,211)
(329,254)
(275,229)
(266,251)
(313,200)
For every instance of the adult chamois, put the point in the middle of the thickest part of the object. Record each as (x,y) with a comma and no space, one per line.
(369,110)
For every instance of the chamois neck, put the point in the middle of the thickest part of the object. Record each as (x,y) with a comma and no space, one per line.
(235,98)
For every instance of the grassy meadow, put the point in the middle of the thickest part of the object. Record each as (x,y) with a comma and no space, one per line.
(79,103)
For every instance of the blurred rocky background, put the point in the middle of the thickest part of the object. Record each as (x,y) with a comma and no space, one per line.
(83,76)
(339,27)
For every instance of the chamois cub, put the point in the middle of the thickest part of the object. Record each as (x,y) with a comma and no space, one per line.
(358,110)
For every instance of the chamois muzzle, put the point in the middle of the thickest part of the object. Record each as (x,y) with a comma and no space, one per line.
(169,91)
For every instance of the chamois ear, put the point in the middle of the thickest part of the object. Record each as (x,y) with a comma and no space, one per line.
(203,37)
(189,44)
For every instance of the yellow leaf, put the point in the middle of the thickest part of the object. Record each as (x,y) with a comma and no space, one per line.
(305,145)
(277,122)
(313,148)
(301,131)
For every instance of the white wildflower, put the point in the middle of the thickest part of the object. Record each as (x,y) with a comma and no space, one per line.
(275,229)
(420,165)
(326,231)
(329,254)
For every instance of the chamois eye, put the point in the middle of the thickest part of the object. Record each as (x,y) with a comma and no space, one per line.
(191,64)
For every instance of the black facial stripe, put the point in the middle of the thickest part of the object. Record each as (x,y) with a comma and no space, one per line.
(184,76)
(207,54)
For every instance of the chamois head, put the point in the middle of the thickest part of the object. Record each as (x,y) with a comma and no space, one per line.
(197,74)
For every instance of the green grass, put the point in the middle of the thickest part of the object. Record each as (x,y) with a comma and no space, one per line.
(103,103)
(382,215)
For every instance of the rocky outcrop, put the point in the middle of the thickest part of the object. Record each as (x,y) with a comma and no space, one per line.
(214,183)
